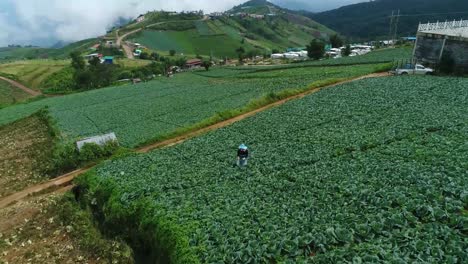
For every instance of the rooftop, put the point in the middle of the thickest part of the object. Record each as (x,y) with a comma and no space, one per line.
(453,28)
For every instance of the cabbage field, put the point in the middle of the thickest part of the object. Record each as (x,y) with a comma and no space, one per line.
(373,171)
(147,111)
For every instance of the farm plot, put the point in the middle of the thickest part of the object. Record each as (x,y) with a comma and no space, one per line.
(373,171)
(138,113)
(10,95)
(190,42)
(203,28)
(25,151)
(33,73)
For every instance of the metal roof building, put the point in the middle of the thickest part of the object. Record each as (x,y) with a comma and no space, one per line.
(435,40)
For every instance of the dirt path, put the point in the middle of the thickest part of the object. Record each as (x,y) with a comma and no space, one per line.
(66,179)
(120,42)
(53,185)
(22,87)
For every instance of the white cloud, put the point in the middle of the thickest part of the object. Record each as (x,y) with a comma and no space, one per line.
(27,21)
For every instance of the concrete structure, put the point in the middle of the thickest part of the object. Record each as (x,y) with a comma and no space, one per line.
(434,40)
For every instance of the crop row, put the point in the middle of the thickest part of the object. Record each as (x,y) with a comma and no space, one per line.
(369,172)
(138,113)
(380,56)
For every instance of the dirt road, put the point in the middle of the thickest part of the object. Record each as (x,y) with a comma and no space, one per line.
(22,87)
(68,178)
(52,185)
(127,49)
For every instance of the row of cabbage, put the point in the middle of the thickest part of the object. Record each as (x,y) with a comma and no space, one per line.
(368,172)
(139,113)
(380,56)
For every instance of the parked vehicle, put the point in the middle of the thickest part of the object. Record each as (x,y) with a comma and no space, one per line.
(413,69)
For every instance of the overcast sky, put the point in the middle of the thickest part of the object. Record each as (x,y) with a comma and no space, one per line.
(43,22)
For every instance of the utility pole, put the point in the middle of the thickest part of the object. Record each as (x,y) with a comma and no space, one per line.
(396,28)
(390,32)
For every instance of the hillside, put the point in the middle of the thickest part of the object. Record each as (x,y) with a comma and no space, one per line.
(371,20)
(21,53)
(256,26)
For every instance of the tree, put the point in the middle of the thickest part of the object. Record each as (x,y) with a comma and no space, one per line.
(240,52)
(155,56)
(172,53)
(206,64)
(78,63)
(144,56)
(83,79)
(336,41)
(94,61)
(347,51)
(315,49)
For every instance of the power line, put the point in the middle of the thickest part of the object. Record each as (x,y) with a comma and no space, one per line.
(431,14)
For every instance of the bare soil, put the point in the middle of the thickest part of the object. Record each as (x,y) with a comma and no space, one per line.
(25,149)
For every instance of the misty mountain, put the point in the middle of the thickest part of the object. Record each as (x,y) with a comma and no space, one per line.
(371,20)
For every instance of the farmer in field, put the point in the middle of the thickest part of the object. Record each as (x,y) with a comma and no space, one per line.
(242,155)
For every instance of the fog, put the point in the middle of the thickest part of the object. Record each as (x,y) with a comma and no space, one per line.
(44,22)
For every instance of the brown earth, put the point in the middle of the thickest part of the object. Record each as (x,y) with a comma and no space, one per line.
(28,234)
(31,232)
(25,149)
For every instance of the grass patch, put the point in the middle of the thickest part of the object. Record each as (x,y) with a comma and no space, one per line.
(83,230)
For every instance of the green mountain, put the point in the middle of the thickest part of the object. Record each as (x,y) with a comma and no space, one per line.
(256,26)
(371,20)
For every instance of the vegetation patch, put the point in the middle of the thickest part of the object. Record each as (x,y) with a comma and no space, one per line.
(55,229)
(138,113)
(346,174)
(10,95)
(32,73)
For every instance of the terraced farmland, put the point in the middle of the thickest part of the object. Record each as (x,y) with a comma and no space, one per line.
(373,171)
(138,113)
(32,73)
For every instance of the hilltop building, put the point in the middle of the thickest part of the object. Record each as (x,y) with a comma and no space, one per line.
(140,18)
(435,40)
(195,63)
(257,16)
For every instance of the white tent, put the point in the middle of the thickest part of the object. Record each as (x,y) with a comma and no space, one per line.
(277,56)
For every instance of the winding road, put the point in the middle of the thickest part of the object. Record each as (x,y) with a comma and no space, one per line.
(120,42)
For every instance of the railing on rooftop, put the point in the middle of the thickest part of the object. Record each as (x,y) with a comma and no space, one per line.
(443,25)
